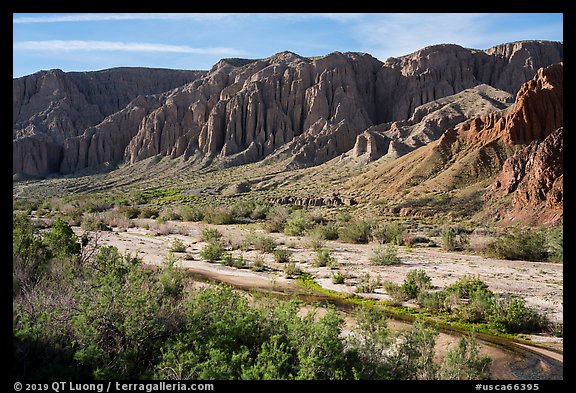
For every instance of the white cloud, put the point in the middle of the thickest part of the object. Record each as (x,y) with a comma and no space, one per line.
(79,45)
(399,34)
(118,17)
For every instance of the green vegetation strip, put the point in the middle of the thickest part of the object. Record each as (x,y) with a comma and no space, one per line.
(409,314)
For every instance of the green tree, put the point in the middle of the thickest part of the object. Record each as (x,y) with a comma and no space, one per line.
(61,240)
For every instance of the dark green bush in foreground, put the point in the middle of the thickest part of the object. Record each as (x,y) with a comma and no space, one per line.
(112,318)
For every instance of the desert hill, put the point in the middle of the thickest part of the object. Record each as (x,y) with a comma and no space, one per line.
(514,152)
(282,108)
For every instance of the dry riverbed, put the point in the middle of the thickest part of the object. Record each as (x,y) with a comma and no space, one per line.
(537,282)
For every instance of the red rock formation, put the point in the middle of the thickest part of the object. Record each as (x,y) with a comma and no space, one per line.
(537,112)
(535,178)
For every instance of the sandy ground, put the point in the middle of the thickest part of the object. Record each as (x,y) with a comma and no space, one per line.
(539,283)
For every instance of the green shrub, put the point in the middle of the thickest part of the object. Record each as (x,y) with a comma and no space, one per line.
(240,262)
(227,258)
(282,255)
(338,278)
(212,251)
(395,291)
(415,281)
(555,243)
(452,241)
(356,232)
(386,255)
(314,241)
(61,240)
(148,212)
(464,362)
(169,214)
(329,231)
(130,211)
(324,258)
(390,232)
(511,315)
(477,308)
(291,270)
(366,284)
(210,234)
(177,246)
(466,285)
(221,215)
(191,213)
(433,301)
(260,212)
(258,263)
(92,223)
(172,278)
(276,219)
(265,244)
(524,244)
(298,222)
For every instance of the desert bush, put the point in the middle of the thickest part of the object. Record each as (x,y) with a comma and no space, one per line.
(523,244)
(276,219)
(338,278)
(191,213)
(291,270)
(454,241)
(260,212)
(115,219)
(433,301)
(327,231)
(511,315)
(385,255)
(466,285)
(477,308)
(390,232)
(169,214)
(395,292)
(416,280)
(324,258)
(463,362)
(242,209)
(314,241)
(210,234)
(221,215)
(411,239)
(177,246)
(61,240)
(281,255)
(212,251)
(343,216)
(258,263)
(227,258)
(172,278)
(298,222)
(148,212)
(366,284)
(356,231)
(129,211)
(91,222)
(555,244)
(30,255)
(265,244)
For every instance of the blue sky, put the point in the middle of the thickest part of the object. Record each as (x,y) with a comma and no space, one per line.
(87,42)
